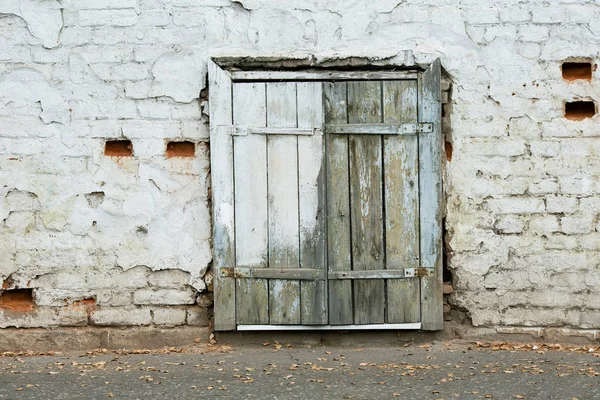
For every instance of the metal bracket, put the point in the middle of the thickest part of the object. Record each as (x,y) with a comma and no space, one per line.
(413,129)
(418,272)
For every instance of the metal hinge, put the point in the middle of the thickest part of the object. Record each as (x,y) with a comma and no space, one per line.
(423,127)
(418,272)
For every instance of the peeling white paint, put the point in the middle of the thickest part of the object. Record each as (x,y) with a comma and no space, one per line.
(178,75)
(43,17)
(25,86)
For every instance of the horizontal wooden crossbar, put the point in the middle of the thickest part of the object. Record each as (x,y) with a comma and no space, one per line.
(372,274)
(310,274)
(240,130)
(378,129)
(303,274)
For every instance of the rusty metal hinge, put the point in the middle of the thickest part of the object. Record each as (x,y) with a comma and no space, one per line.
(418,272)
(423,127)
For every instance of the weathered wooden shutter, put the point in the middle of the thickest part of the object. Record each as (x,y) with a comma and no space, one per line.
(278,203)
(373,193)
(327,202)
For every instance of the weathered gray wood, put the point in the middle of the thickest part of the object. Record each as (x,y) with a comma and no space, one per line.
(221,158)
(430,185)
(366,201)
(370,274)
(309,274)
(284,239)
(250,160)
(401,181)
(311,203)
(322,75)
(338,205)
(368,129)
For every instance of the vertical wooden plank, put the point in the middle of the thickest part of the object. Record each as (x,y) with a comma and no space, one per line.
(366,202)
(311,187)
(221,159)
(250,169)
(401,188)
(430,187)
(284,240)
(338,205)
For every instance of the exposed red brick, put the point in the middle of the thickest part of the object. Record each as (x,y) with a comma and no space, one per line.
(578,110)
(88,304)
(19,300)
(181,149)
(572,71)
(118,148)
(448,147)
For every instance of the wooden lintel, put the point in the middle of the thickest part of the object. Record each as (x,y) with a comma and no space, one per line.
(321,75)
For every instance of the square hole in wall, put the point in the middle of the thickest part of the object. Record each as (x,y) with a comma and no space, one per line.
(20,300)
(118,148)
(578,110)
(181,149)
(572,71)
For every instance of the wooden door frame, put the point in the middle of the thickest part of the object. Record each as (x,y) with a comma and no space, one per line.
(222,72)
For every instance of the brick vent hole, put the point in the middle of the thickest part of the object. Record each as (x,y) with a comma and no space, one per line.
(573,71)
(118,148)
(181,149)
(20,300)
(578,110)
(448,148)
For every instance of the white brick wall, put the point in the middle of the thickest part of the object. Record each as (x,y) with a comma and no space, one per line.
(523,187)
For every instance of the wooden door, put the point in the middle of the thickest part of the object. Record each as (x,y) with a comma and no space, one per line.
(326,201)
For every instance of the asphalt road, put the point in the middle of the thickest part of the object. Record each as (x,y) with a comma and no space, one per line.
(277,371)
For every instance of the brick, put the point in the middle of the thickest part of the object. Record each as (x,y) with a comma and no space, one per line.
(198,316)
(577,224)
(169,278)
(548,15)
(108,17)
(155,18)
(517,205)
(561,204)
(578,186)
(510,224)
(165,296)
(482,16)
(104,4)
(533,33)
(545,186)
(544,148)
(170,316)
(543,225)
(121,316)
(515,14)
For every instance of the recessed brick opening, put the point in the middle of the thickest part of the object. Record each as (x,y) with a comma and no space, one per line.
(448,148)
(578,110)
(20,300)
(118,148)
(181,149)
(572,71)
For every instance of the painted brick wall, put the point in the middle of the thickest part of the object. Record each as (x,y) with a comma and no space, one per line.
(133,233)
